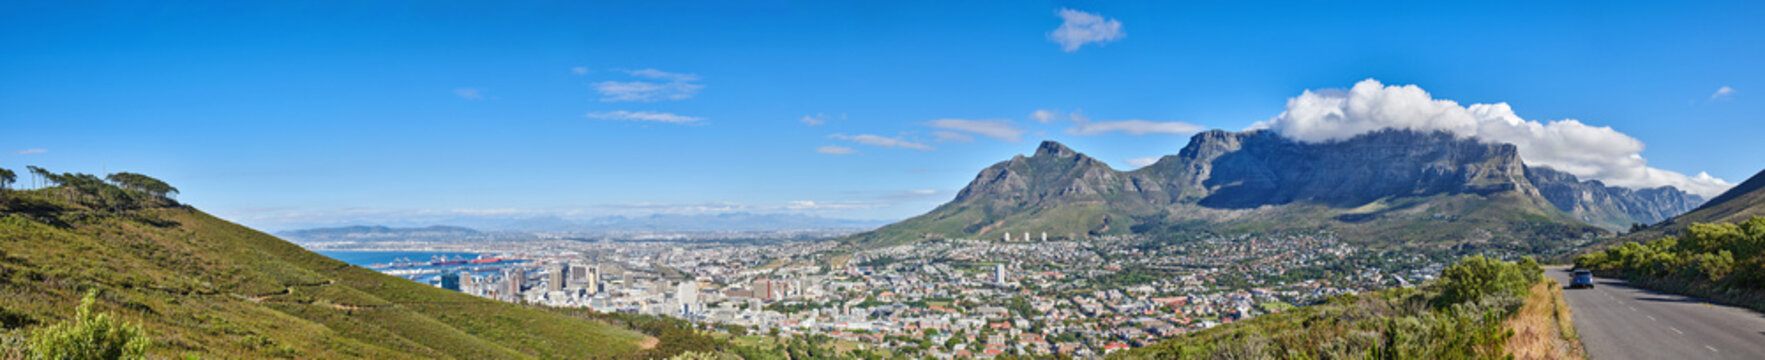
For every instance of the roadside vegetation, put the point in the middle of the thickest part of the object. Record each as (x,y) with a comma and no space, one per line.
(1724,262)
(1471,312)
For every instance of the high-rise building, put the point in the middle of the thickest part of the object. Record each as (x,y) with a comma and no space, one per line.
(450,281)
(512,283)
(1044,236)
(999,273)
(557,279)
(765,289)
(585,276)
(687,293)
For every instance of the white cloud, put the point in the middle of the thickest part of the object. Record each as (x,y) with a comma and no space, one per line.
(1588,152)
(1135,127)
(1722,93)
(1141,162)
(1044,115)
(675,87)
(30,151)
(835,150)
(1084,126)
(649,116)
(836,205)
(942,136)
(468,93)
(814,120)
(1078,28)
(881,141)
(997,129)
(663,75)
(922,192)
(579,70)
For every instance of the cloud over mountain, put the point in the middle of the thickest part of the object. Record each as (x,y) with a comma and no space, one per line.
(1589,152)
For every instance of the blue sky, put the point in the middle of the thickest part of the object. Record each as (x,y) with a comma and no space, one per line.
(284,116)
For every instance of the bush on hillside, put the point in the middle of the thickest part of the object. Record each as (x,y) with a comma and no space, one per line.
(1460,316)
(90,336)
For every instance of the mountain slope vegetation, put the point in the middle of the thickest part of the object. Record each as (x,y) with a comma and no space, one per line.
(203,286)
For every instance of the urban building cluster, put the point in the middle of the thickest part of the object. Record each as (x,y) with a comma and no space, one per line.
(953,298)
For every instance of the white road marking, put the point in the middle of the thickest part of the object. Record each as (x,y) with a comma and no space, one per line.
(1675,330)
(1651,317)
(1711,348)
(1632,308)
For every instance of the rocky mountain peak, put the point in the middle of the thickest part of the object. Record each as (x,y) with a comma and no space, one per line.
(1055,149)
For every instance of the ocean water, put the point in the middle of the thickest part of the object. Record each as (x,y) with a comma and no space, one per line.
(369,258)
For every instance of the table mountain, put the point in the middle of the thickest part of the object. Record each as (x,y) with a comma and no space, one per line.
(1390,187)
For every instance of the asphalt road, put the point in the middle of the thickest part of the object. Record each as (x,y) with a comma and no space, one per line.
(1621,322)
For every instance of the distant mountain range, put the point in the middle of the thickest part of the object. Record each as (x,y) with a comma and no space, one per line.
(1738,204)
(523,228)
(383,233)
(735,221)
(1391,187)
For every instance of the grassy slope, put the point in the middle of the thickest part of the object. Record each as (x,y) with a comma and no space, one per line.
(206,286)
(1351,326)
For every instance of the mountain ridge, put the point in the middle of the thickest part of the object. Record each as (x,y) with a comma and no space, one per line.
(1738,204)
(1389,183)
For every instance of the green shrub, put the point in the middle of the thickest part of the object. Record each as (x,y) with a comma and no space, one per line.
(1477,277)
(90,336)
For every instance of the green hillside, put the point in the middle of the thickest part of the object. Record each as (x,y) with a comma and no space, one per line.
(203,286)
(1473,312)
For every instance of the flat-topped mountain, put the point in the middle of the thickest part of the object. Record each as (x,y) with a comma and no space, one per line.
(1392,186)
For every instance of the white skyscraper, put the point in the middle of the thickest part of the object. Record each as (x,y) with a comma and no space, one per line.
(687,293)
(1044,236)
(999,273)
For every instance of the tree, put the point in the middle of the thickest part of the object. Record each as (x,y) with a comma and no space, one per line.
(7,177)
(43,176)
(90,336)
(142,183)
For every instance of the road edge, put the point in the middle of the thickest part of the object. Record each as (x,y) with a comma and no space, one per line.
(1543,328)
